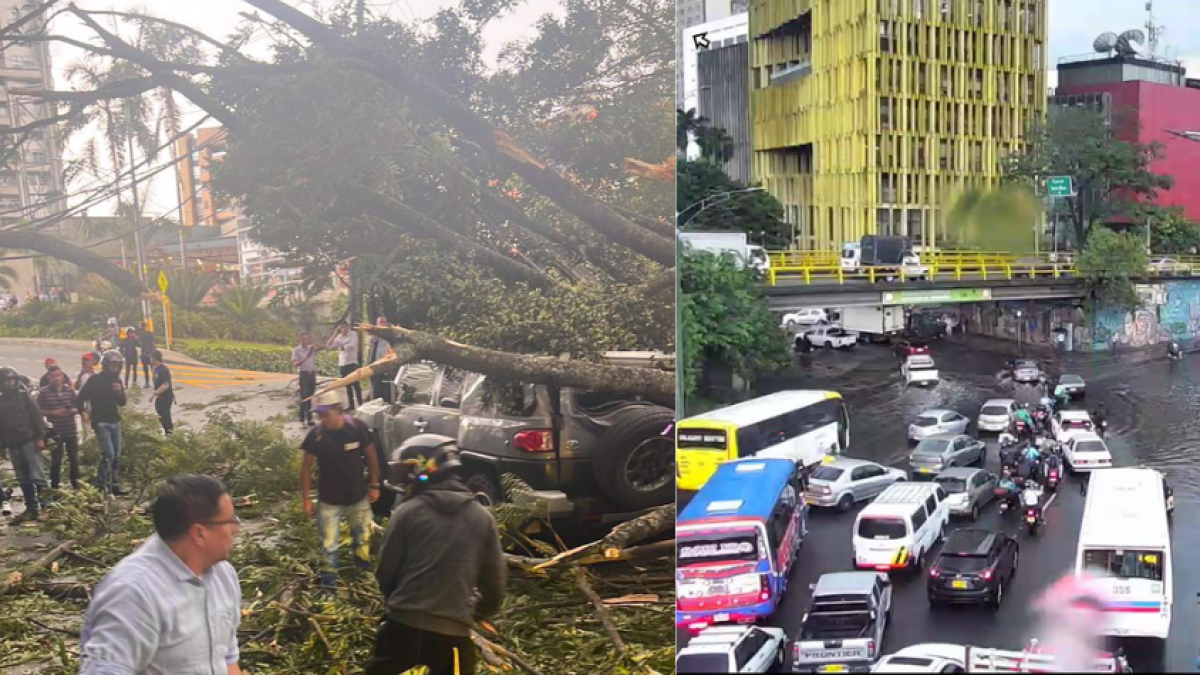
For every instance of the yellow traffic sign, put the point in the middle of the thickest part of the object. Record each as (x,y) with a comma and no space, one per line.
(162,281)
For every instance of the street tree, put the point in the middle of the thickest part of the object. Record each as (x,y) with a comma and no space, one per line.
(1110,265)
(756,213)
(1110,176)
(381,146)
(712,290)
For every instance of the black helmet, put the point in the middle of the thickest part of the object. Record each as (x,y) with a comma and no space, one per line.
(111,356)
(9,373)
(422,459)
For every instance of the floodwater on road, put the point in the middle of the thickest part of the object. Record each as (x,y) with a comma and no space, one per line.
(1152,408)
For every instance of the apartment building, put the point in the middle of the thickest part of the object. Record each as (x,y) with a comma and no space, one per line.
(871,116)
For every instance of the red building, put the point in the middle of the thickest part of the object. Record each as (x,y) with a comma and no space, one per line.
(1159,96)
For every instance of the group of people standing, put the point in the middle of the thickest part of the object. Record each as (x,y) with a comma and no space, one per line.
(345,341)
(94,400)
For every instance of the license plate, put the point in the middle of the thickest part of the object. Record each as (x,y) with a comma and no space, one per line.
(720,618)
(958,583)
(810,500)
(925,469)
(836,668)
(1029,519)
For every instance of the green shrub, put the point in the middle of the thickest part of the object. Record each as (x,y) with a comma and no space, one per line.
(251,356)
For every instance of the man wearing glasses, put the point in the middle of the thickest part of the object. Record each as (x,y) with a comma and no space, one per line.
(174,605)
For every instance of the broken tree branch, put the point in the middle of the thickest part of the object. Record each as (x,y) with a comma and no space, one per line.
(601,611)
(503,150)
(92,262)
(19,578)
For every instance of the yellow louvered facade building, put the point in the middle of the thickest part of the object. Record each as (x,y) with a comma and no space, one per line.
(870,116)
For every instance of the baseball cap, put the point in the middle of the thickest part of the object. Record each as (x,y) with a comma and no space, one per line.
(326,401)
(50,361)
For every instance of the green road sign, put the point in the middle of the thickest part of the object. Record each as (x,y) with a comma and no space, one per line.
(1059,186)
(929,297)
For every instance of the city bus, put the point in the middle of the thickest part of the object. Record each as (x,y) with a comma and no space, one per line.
(803,426)
(1125,543)
(737,541)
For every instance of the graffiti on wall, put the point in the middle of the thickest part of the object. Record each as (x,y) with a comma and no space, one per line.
(1171,313)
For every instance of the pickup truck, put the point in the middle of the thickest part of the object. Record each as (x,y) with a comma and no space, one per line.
(920,370)
(844,626)
(832,336)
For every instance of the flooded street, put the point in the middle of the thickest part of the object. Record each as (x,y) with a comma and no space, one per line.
(1153,422)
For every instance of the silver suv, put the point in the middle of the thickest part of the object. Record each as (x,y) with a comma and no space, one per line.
(592,455)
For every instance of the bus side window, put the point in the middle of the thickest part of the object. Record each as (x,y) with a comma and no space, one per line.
(777,528)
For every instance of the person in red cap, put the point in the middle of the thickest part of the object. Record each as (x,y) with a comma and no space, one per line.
(51,364)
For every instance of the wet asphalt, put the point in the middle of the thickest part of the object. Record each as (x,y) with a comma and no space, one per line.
(1153,421)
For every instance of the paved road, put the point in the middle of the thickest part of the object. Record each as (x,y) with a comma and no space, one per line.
(1153,422)
(29,359)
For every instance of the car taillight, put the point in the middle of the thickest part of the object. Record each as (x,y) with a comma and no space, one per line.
(796,650)
(934,572)
(764,589)
(987,574)
(535,440)
(871,648)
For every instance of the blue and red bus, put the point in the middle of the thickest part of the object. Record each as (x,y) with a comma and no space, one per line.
(736,543)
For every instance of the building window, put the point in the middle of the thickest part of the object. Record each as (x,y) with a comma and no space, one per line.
(918,9)
(23,62)
(883,221)
(887,188)
(10,202)
(885,37)
(915,222)
(885,113)
(37,157)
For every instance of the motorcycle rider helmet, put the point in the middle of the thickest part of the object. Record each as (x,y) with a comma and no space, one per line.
(112,357)
(9,374)
(421,460)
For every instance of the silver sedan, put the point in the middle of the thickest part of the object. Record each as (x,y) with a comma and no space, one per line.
(845,481)
(937,421)
(937,453)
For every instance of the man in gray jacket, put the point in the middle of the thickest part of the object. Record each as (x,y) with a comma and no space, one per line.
(441,567)
(23,434)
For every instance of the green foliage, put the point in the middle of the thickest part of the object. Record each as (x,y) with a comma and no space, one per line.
(1110,176)
(8,274)
(751,212)
(1110,265)
(79,321)
(248,356)
(1004,219)
(1171,231)
(716,145)
(212,323)
(724,318)
(188,289)
(112,301)
(243,302)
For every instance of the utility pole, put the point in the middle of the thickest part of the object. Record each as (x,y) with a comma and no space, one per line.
(359,13)
(137,215)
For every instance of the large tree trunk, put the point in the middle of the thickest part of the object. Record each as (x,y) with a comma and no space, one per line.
(503,150)
(411,345)
(83,258)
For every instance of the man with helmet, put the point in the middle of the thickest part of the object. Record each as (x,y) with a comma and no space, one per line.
(441,567)
(23,434)
(104,394)
(343,450)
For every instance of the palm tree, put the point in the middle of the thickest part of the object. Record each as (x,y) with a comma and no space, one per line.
(243,302)
(715,143)
(687,124)
(188,289)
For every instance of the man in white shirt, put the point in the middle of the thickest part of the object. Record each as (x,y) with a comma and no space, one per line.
(380,382)
(346,342)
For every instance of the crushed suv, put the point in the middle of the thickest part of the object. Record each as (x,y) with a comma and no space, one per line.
(587,454)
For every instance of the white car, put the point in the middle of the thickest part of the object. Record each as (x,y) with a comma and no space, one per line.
(925,658)
(1085,451)
(733,649)
(937,421)
(996,415)
(920,370)
(1168,266)
(1067,423)
(832,336)
(1027,371)
(806,317)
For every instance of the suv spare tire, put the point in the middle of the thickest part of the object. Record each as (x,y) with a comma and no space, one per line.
(634,464)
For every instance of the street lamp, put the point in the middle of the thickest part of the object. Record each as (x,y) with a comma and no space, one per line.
(1020,325)
(708,201)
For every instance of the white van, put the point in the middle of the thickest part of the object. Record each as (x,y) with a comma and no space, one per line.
(900,527)
(1125,541)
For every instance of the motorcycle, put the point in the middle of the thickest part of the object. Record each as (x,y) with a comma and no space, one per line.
(1052,479)
(1102,427)
(1031,520)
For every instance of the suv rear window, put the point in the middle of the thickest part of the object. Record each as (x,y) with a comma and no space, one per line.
(882,528)
(967,564)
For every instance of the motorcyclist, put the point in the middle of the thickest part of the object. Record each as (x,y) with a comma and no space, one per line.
(1173,350)
(1100,418)
(1007,486)
(1022,415)
(1031,498)
(1006,440)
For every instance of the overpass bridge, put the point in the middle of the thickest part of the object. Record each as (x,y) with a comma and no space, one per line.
(797,279)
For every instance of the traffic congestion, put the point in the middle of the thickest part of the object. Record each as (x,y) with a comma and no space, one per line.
(863,519)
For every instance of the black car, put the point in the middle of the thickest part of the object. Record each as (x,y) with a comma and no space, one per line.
(973,568)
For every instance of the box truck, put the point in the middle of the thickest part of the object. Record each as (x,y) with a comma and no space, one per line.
(874,323)
(747,254)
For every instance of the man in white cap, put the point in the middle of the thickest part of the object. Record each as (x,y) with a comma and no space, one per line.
(347,480)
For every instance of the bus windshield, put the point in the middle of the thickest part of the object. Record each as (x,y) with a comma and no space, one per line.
(1124,564)
(739,546)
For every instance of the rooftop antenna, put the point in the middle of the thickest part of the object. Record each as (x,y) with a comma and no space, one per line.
(1153,30)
